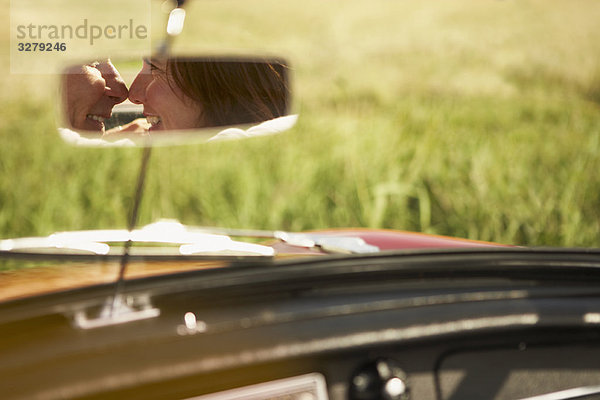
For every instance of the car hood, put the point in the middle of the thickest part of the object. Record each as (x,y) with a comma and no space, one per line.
(46,275)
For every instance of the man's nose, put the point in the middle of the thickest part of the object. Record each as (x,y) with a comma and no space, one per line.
(117,90)
(115,86)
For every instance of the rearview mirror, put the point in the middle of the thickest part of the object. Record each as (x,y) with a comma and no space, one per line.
(158,101)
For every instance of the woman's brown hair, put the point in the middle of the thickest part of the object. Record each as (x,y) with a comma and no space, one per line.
(233,91)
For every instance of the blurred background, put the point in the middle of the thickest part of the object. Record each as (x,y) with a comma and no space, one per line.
(470,118)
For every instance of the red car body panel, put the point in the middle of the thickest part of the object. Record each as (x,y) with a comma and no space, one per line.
(390,240)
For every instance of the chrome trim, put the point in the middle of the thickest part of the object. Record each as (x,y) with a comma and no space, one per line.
(303,387)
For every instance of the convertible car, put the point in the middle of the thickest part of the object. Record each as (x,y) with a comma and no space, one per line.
(348,314)
(174,311)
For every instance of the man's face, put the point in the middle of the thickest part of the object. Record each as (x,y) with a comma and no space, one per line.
(91,91)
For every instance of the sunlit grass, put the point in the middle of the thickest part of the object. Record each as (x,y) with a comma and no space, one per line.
(464,118)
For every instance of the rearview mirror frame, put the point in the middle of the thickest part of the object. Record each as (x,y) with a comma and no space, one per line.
(240,97)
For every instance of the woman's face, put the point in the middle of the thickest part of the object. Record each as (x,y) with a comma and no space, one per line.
(165,105)
(91,91)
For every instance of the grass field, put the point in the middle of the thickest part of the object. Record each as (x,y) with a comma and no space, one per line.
(470,118)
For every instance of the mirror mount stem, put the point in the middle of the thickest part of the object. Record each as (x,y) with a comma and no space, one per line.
(164,47)
(139,189)
(175,24)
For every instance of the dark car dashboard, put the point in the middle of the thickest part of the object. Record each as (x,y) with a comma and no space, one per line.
(369,327)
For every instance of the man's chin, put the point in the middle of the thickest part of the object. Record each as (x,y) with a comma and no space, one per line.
(90,125)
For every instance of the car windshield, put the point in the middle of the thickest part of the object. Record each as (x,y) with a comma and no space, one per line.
(468,119)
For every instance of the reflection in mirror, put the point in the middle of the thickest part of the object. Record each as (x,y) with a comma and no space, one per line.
(140,101)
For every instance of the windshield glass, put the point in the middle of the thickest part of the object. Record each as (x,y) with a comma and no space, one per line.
(468,119)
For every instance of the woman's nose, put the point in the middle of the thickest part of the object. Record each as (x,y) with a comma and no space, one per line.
(137,90)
